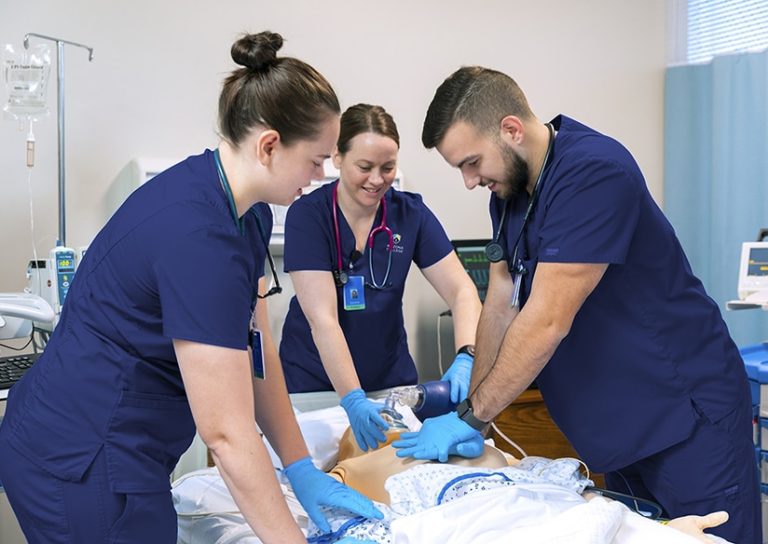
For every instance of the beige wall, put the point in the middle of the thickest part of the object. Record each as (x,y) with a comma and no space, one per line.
(151,91)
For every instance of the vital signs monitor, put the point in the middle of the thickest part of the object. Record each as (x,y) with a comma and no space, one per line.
(753,276)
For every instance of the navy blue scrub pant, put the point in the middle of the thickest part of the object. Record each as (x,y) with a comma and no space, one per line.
(51,510)
(714,469)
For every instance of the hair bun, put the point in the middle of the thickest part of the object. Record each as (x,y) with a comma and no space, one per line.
(257,51)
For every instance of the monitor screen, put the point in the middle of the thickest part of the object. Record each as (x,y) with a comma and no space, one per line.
(753,272)
(758,261)
(472,256)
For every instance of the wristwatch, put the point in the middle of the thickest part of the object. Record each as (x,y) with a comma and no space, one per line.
(467,415)
(469,349)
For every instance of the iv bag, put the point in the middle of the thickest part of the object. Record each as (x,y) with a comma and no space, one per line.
(26,73)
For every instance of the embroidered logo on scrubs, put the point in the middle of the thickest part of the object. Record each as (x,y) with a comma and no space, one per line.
(396,238)
(551,251)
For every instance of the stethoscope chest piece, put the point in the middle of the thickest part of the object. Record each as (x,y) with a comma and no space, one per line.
(494,252)
(340,277)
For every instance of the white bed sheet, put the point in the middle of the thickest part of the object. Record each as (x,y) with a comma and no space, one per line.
(207,513)
(534,514)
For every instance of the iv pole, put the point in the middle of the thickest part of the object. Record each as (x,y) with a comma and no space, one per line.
(60,93)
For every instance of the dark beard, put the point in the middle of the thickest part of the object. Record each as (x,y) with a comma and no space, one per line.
(516,175)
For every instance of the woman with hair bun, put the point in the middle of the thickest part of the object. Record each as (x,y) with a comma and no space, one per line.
(165,330)
(348,247)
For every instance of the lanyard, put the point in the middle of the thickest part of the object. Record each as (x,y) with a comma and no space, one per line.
(228,191)
(340,276)
(240,222)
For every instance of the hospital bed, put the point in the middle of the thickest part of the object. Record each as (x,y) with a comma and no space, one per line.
(528,512)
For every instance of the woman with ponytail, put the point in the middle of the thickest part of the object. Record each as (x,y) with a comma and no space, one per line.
(165,331)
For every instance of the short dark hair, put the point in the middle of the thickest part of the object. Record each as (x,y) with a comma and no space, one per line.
(281,93)
(479,96)
(362,118)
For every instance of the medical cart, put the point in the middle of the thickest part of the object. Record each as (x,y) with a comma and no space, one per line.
(756,363)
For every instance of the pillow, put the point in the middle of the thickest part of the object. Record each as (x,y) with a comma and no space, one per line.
(322,431)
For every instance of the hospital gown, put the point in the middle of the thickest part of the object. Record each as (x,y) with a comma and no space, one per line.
(426,486)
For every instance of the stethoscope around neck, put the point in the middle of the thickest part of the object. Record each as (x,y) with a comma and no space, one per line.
(340,277)
(276,289)
(494,251)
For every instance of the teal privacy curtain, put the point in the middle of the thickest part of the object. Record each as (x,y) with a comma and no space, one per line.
(716,173)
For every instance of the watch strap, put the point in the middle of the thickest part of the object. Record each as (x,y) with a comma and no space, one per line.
(467,415)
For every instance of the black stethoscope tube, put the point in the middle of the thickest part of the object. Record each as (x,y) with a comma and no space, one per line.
(494,251)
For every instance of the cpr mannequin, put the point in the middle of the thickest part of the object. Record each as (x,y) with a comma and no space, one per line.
(367,472)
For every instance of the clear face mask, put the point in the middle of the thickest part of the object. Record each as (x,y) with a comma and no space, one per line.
(390,413)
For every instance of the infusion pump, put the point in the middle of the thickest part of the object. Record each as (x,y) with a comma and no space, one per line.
(139,171)
(51,278)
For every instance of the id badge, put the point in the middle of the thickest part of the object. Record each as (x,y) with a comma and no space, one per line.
(354,293)
(257,353)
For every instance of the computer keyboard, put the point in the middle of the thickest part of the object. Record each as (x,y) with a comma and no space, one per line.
(13,368)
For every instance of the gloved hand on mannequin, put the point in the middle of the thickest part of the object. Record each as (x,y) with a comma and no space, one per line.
(440,437)
(365,419)
(459,374)
(314,488)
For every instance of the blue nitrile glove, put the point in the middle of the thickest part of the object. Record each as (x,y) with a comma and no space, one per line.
(314,488)
(365,419)
(459,374)
(440,437)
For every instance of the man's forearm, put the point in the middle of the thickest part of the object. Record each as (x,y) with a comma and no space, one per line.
(491,329)
(526,348)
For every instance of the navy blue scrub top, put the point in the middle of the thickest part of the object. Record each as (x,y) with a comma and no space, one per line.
(376,335)
(648,350)
(170,263)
